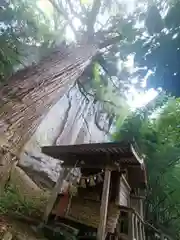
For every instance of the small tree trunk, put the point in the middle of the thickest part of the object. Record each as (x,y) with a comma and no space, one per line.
(28,95)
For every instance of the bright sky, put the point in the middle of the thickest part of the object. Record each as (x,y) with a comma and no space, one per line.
(136,99)
(46,6)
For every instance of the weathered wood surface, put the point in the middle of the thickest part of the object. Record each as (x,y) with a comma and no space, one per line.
(29,94)
(124,193)
(63,175)
(104,206)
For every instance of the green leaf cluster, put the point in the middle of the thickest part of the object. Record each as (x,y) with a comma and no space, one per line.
(13,202)
(156,129)
(25,35)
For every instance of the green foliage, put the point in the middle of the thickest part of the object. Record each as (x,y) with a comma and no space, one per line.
(96,72)
(13,202)
(156,46)
(24,35)
(156,133)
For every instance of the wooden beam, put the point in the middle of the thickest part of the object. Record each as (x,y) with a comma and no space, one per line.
(62,176)
(91,165)
(104,206)
(112,167)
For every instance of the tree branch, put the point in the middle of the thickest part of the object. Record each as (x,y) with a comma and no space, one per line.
(86,123)
(73,11)
(162,200)
(85,94)
(111,41)
(173,218)
(59,8)
(82,90)
(92,17)
(83,7)
(106,5)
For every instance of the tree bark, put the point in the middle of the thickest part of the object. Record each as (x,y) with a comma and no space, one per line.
(28,95)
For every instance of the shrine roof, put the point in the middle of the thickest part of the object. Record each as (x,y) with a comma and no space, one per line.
(95,154)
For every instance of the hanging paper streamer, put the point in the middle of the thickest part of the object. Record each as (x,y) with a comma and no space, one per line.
(73,190)
(83,183)
(92,182)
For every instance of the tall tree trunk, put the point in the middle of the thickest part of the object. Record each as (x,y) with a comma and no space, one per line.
(28,96)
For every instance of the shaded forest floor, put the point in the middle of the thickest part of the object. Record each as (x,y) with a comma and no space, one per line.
(21,208)
(13,229)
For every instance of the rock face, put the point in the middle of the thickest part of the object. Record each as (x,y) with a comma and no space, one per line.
(24,185)
(70,121)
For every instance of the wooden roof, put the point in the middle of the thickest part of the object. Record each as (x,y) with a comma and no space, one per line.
(94,154)
(137,177)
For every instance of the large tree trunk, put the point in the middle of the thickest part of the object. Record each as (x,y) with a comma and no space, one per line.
(28,96)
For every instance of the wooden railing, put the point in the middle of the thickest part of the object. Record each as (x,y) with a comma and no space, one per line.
(136,203)
(156,233)
(137,226)
(131,225)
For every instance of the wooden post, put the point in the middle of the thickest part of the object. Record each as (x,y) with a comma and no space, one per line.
(63,174)
(141,230)
(130,226)
(133,226)
(137,227)
(104,206)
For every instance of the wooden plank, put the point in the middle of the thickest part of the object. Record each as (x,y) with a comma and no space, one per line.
(123,192)
(130,226)
(136,227)
(133,227)
(93,165)
(63,174)
(104,206)
(142,231)
(90,163)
